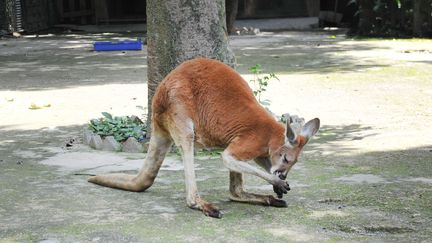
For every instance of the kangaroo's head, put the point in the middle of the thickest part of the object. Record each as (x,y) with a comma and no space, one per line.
(286,156)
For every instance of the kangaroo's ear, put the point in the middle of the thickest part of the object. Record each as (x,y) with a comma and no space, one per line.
(310,128)
(290,134)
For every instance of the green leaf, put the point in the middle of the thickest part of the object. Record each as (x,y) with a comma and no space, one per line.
(107,115)
(399,3)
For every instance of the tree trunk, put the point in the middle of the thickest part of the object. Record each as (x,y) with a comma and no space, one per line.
(249,8)
(421,13)
(179,30)
(367,16)
(231,14)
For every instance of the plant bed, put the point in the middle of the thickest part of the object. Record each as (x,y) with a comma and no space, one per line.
(113,133)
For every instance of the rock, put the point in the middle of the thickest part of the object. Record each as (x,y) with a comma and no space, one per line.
(131,145)
(136,119)
(110,144)
(87,135)
(96,142)
(248,31)
(16,34)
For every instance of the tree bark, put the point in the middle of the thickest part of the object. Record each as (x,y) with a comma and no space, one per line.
(179,30)
(231,14)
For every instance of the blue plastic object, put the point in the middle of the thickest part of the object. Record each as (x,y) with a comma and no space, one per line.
(117,46)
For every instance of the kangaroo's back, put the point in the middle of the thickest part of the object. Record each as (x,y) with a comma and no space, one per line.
(216,98)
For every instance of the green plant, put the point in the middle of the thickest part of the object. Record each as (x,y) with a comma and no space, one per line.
(121,128)
(260,80)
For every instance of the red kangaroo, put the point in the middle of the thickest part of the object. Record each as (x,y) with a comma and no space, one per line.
(206,102)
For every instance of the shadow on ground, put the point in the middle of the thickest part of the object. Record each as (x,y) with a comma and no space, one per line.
(65,61)
(317,53)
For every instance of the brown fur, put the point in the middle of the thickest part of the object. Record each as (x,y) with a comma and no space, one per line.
(221,106)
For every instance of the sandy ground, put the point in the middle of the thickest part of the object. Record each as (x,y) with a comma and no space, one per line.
(366,177)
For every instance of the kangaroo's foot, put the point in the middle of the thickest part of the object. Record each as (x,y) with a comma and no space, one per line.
(239,195)
(121,181)
(267,200)
(207,208)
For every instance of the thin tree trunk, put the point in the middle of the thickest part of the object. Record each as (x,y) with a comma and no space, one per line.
(249,8)
(367,16)
(421,9)
(179,30)
(231,14)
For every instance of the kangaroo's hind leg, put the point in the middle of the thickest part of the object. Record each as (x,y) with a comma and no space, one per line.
(239,195)
(182,131)
(160,144)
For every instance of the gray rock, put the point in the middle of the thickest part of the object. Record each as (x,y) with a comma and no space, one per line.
(131,145)
(136,120)
(248,31)
(87,135)
(96,142)
(110,144)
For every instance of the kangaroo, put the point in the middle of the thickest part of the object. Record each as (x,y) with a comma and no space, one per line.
(205,102)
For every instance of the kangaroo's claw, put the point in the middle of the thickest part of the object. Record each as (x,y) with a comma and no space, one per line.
(277,202)
(211,211)
(214,214)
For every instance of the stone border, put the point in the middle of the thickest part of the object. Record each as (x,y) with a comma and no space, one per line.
(131,145)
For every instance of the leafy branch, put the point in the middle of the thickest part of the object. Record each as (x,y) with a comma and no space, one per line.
(260,81)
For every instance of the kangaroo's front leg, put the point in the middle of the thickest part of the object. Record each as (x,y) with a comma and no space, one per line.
(238,166)
(183,136)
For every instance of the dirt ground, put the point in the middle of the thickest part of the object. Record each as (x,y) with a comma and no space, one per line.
(367,176)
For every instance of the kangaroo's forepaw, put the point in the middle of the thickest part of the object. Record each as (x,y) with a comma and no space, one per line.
(281,188)
(274,202)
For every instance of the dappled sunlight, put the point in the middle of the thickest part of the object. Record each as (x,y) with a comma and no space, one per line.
(289,53)
(83,46)
(328,213)
(294,234)
(64,107)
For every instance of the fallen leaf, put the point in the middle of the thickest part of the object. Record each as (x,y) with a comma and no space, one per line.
(33,106)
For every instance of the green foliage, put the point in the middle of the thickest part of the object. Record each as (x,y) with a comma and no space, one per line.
(260,80)
(390,18)
(121,128)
